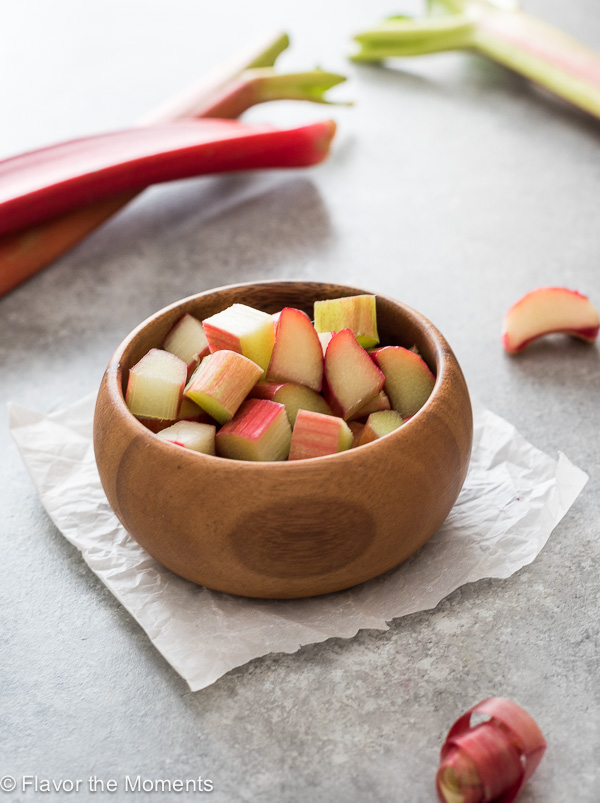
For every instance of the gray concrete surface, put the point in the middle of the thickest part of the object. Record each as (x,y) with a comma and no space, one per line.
(454,186)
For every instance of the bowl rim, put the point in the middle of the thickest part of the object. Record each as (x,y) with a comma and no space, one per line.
(442,354)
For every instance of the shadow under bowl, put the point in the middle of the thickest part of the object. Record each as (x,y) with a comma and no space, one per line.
(291,529)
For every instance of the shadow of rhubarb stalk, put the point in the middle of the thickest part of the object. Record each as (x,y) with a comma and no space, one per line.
(169,243)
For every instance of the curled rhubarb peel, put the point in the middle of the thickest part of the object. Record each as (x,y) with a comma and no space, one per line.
(490,762)
(247,80)
(502,31)
(40,184)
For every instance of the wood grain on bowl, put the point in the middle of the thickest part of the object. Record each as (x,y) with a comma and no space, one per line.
(293,529)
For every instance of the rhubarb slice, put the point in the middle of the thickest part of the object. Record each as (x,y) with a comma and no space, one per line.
(297,354)
(244,329)
(351,377)
(357,313)
(294,397)
(380,424)
(192,435)
(188,341)
(221,383)
(549,310)
(260,430)
(155,385)
(408,380)
(317,435)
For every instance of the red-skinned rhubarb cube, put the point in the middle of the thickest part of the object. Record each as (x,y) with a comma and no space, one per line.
(244,329)
(192,435)
(408,380)
(297,354)
(357,313)
(317,435)
(379,424)
(188,341)
(351,377)
(260,430)
(294,397)
(221,383)
(155,386)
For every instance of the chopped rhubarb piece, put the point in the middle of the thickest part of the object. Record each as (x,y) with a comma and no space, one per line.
(192,435)
(188,341)
(357,313)
(297,354)
(294,397)
(316,435)
(374,405)
(492,760)
(221,383)
(549,310)
(260,430)
(408,380)
(351,377)
(380,424)
(155,385)
(244,329)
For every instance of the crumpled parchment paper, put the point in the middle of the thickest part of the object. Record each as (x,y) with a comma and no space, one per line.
(513,497)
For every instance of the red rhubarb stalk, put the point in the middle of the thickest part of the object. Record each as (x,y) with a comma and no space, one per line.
(492,760)
(40,184)
(247,80)
(24,253)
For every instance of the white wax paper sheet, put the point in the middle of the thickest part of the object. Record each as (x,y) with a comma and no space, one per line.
(513,497)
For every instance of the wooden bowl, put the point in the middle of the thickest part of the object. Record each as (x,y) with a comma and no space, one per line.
(292,529)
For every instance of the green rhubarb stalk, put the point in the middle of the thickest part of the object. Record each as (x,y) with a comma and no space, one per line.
(262,85)
(502,31)
(400,36)
(311,85)
(192,101)
(248,80)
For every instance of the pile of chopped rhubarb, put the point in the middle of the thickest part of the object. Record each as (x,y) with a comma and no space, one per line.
(249,385)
